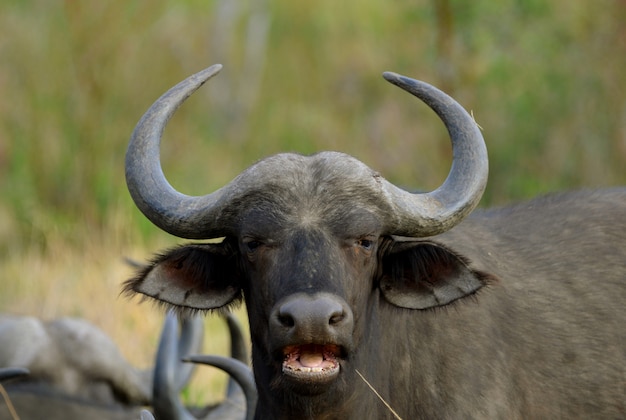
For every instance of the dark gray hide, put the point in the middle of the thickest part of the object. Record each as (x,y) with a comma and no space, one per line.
(513,313)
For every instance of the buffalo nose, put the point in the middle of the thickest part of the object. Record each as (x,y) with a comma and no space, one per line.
(316,317)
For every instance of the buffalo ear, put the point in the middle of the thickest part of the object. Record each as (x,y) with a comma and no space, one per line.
(199,276)
(424,275)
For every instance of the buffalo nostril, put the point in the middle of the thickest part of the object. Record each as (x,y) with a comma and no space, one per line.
(286,320)
(336,318)
(310,312)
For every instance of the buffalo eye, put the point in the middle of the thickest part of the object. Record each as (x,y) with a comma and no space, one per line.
(252,245)
(366,244)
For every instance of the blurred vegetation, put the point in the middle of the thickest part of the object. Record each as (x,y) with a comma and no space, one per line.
(544,79)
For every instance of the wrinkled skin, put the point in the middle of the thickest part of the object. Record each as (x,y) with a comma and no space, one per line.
(533,329)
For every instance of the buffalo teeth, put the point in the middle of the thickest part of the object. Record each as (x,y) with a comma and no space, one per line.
(307,369)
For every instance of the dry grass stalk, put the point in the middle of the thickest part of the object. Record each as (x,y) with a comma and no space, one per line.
(379,396)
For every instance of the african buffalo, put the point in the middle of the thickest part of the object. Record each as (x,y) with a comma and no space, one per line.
(369,302)
(73,357)
(90,368)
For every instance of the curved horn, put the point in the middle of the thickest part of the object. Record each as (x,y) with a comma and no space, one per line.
(12,372)
(196,217)
(238,348)
(190,342)
(169,379)
(145,415)
(166,386)
(437,211)
(176,213)
(238,371)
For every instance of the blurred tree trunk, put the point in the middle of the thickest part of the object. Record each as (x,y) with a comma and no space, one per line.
(445,29)
(237,92)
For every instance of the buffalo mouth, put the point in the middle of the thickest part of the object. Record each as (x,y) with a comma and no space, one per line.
(312,363)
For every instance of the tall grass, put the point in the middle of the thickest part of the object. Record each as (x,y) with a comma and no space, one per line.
(544,79)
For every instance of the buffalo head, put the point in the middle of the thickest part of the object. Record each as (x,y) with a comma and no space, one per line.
(310,242)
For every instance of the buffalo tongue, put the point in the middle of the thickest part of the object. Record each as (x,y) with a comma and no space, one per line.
(311,363)
(310,357)
(311,360)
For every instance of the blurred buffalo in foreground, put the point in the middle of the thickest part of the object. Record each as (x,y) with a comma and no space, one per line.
(70,369)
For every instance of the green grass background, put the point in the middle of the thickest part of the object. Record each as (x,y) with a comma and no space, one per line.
(545,80)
